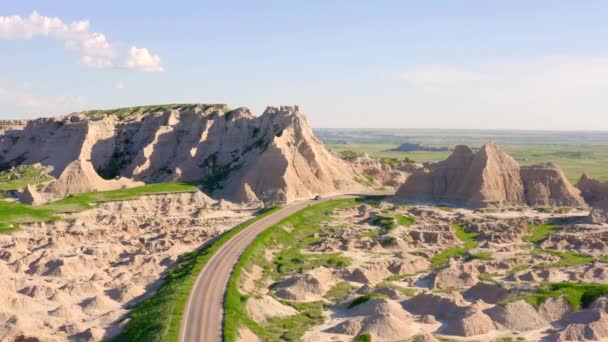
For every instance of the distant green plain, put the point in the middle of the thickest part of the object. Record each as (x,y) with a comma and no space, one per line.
(574,160)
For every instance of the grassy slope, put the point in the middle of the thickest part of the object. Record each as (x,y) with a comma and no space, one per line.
(21,176)
(87,200)
(158,318)
(539,232)
(578,295)
(12,214)
(302,225)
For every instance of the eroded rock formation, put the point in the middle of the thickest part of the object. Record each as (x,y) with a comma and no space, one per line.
(489,178)
(231,153)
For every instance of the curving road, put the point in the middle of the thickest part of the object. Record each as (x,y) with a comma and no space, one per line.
(202,321)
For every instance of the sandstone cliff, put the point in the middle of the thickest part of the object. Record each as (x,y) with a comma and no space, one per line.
(230,153)
(594,192)
(489,178)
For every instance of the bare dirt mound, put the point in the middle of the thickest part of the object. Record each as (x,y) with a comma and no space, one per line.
(262,308)
(489,178)
(273,158)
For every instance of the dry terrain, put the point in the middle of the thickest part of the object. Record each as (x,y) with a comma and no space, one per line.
(76,278)
(429,273)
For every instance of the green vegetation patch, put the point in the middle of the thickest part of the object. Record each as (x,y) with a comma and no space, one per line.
(384,222)
(405,290)
(538,232)
(442,258)
(20,176)
(304,227)
(12,214)
(87,200)
(292,328)
(578,295)
(362,299)
(158,318)
(567,258)
(486,256)
(339,291)
(406,220)
(363,338)
(127,111)
(519,268)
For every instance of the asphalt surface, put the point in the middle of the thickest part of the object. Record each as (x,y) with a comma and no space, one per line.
(202,321)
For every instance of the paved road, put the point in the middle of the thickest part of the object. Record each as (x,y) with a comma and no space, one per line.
(202,321)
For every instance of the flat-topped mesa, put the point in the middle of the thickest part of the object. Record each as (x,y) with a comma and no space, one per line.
(489,178)
(231,153)
(594,192)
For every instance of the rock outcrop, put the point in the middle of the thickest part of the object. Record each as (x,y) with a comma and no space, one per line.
(594,192)
(383,173)
(489,178)
(31,196)
(547,185)
(234,155)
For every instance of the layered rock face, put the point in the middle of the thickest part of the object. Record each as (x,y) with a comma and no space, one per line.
(547,185)
(594,192)
(234,155)
(489,178)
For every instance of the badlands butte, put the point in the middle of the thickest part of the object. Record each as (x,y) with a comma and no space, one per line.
(108,216)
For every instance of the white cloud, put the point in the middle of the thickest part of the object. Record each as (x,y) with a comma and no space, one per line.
(93,47)
(142,59)
(552,92)
(119,86)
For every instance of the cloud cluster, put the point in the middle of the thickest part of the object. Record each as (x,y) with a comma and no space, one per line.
(551,92)
(93,47)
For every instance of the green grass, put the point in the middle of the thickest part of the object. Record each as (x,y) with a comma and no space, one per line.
(384,222)
(604,258)
(405,290)
(538,232)
(566,258)
(405,220)
(124,112)
(292,328)
(489,277)
(12,214)
(440,259)
(87,200)
(578,295)
(158,317)
(303,227)
(519,268)
(486,256)
(363,338)
(21,176)
(339,291)
(365,298)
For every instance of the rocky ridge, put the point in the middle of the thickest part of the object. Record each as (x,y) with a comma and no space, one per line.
(230,153)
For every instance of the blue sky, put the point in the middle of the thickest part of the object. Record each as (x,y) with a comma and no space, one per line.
(410,64)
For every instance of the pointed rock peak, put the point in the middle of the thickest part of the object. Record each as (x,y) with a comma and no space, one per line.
(31,196)
(584,178)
